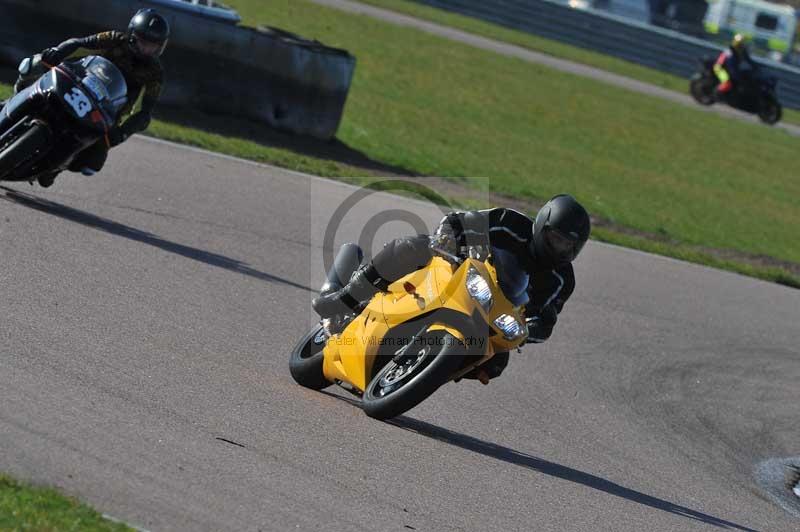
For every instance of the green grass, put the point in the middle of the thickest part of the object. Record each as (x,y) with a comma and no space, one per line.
(696,255)
(246,149)
(533,42)
(547,46)
(23,507)
(442,108)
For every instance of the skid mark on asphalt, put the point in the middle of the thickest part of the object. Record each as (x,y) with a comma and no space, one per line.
(231,442)
(119,229)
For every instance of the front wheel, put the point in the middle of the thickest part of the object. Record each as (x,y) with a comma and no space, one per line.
(305,362)
(23,149)
(702,89)
(413,375)
(770,111)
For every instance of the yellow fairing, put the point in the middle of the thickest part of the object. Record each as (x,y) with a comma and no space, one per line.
(349,356)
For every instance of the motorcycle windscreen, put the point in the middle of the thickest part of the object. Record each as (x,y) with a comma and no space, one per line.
(511,276)
(105,82)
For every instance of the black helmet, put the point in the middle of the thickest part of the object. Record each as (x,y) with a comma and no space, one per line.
(739,44)
(148,33)
(561,229)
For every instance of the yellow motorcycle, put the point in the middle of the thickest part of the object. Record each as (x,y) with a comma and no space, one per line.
(433,326)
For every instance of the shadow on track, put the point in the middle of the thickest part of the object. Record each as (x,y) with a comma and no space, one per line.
(540,465)
(115,228)
(252,131)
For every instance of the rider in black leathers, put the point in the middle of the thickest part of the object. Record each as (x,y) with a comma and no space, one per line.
(136,53)
(545,247)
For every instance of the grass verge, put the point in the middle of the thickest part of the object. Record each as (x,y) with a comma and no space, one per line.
(427,104)
(697,255)
(546,46)
(532,42)
(254,151)
(24,507)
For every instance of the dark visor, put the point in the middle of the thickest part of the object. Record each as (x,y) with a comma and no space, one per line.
(148,47)
(563,247)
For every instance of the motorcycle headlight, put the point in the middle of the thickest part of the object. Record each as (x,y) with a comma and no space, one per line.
(479,289)
(511,327)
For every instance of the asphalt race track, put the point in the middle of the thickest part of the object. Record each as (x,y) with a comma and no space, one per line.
(147,314)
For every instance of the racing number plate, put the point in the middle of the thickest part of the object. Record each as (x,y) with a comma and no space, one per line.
(78,101)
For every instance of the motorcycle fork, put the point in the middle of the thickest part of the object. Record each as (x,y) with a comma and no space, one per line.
(11,132)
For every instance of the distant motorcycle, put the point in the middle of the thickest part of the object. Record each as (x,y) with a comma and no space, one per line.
(753,93)
(67,109)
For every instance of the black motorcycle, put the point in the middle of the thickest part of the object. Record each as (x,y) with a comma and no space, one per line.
(66,109)
(753,93)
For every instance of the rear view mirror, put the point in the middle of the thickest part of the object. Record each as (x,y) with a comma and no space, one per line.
(25,66)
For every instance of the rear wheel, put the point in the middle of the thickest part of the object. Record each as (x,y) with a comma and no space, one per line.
(770,111)
(413,375)
(702,89)
(305,362)
(22,149)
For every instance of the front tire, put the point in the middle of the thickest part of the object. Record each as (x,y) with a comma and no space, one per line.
(305,362)
(702,89)
(23,148)
(409,379)
(770,111)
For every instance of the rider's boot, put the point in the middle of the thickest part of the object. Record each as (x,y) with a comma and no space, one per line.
(364,284)
(47,180)
(399,257)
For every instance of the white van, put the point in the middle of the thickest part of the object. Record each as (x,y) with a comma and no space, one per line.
(770,27)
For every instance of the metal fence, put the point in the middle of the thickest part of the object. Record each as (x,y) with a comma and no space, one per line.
(647,45)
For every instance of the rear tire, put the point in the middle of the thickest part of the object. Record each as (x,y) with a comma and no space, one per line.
(702,89)
(305,362)
(389,395)
(21,150)
(770,111)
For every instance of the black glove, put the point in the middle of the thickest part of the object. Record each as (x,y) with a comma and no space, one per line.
(468,228)
(457,230)
(51,56)
(540,327)
(447,235)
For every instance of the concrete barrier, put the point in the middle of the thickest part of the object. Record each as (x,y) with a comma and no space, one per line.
(211,64)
